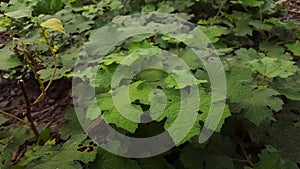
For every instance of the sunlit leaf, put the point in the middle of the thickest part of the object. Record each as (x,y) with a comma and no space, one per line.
(54,24)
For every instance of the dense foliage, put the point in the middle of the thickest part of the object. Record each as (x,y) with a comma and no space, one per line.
(259,49)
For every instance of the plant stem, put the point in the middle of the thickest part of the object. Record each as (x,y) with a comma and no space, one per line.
(42,95)
(233,159)
(246,155)
(33,70)
(14,117)
(219,11)
(28,109)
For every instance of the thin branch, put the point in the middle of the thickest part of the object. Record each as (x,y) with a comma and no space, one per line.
(42,95)
(219,11)
(293,11)
(54,55)
(230,158)
(246,155)
(28,109)
(14,117)
(33,70)
(95,123)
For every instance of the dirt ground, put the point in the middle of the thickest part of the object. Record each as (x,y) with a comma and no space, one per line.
(293,8)
(51,109)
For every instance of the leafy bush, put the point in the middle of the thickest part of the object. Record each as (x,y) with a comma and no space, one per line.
(259,51)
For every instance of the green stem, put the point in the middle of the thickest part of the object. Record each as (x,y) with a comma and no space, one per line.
(15,117)
(219,11)
(42,95)
(246,155)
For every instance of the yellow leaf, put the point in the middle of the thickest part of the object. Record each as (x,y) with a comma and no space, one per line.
(55,24)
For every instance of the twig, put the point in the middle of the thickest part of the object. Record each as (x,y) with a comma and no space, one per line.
(233,159)
(246,155)
(33,70)
(219,11)
(28,109)
(15,117)
(293,11)
(43,94)
(90,127)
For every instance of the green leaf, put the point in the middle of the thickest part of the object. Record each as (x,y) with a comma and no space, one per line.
(286,138)
(44,135)
(238,80)
(106,160)
(155,163)
(54,24)
(212,157)
(260,104)
(53,156)
(294,47)
(78,24)
(214,32)
(260,25)
(20,13)
(67,59)
(10,140)
(205,106)
(110,113)
(3,119)
(274,51)
(71,126)
(4,23)
(251,3)
(290,87)
(242,27)
(272,67)
(140,91)
(48,6)
(272,160)
(243,55)
(8,59)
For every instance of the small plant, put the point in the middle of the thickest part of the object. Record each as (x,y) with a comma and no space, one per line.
(30,58)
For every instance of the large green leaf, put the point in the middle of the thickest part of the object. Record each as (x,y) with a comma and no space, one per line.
(285,138)
(260,104)
(290,87)
(106,160)
(10,140)
(214,32)
(242,27)
(272,160)
(8,59)
(67,59)
(71,126)
(294,47)
(272,67)
(238,87)
(20,13)
(110,113)
(48,6)
(54,156)
(155,162)
(214,156)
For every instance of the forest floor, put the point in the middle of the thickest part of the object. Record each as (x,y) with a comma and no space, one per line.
(50,111)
